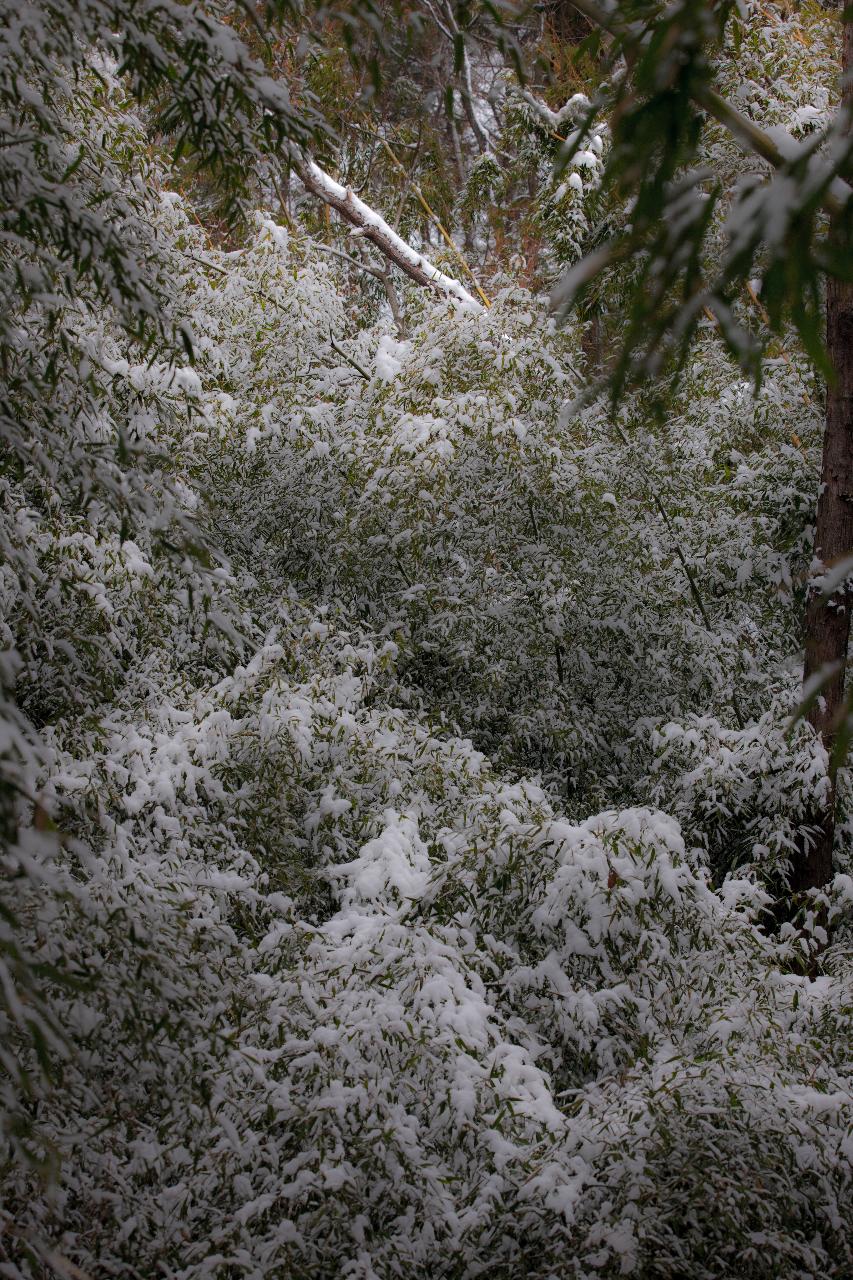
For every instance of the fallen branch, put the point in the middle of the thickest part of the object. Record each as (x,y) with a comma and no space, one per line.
(445,234)
(375,229)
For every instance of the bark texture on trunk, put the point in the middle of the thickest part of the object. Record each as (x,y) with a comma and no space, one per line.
(828,620)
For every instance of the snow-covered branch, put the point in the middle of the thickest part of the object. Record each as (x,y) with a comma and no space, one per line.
(375,229)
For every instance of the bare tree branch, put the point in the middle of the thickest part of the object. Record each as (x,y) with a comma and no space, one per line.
(385,278)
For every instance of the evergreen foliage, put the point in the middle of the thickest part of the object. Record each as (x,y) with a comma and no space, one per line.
(396,765)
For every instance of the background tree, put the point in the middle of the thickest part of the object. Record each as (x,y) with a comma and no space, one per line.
(827,624)
(790,229)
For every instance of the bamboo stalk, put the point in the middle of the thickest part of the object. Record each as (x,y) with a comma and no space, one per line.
(432,214)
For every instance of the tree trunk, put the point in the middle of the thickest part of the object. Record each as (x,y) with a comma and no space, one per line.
(828,620)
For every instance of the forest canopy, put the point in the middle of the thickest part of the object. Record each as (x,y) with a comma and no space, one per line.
(423,474)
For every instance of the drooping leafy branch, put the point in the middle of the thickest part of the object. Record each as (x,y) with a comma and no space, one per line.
(788,224)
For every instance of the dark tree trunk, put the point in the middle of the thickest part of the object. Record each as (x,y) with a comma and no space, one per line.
(592,342)
(828,620)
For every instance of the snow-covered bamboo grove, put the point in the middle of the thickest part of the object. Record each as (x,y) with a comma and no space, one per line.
(389,818)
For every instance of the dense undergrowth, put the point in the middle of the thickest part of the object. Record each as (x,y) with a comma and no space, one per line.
(314,961)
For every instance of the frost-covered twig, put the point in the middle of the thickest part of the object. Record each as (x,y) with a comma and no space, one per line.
(375,229)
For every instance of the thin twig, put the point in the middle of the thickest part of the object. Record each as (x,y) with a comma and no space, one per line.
(358,368)
(344,257)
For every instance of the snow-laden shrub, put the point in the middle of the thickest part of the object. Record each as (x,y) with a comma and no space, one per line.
(748,795)
(552,576)
(295,980)
(471,1037)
